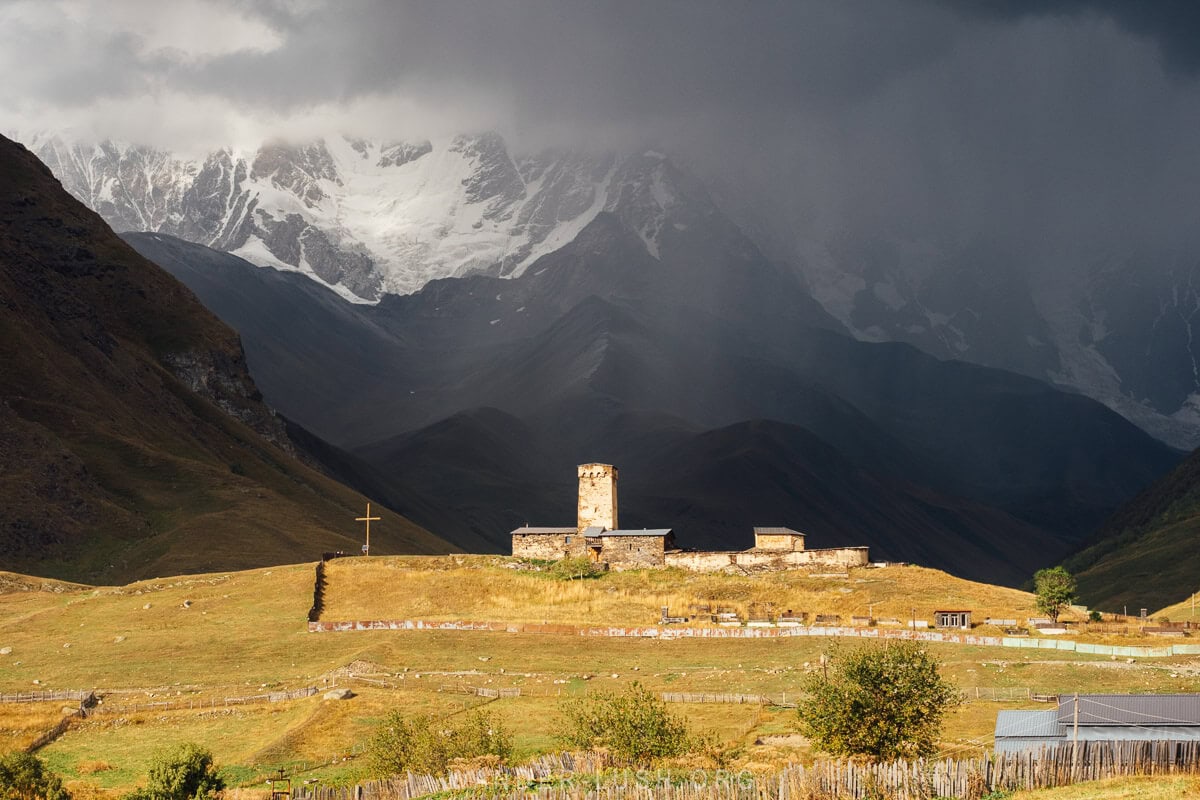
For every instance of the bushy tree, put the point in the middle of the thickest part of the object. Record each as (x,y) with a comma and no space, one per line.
(574,568)
(635,727)
(887,702)
(184,773)
(1055,589)
(25,777)
(426,745)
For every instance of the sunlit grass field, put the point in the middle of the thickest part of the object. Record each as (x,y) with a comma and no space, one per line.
(207,637)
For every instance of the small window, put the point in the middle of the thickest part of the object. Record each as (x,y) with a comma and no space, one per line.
(568,540)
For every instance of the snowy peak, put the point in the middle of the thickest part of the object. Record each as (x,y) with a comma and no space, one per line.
(369,218)
(298,169)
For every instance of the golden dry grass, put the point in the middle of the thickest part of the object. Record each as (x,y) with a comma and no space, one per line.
(479,587)
(1137,788)
(228,634)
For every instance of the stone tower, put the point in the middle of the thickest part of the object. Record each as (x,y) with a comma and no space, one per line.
(597,496)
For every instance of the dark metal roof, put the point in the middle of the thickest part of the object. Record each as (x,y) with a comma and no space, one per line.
(643,532)
(1028,725)
(1131,709)
(528,529)
(778,531)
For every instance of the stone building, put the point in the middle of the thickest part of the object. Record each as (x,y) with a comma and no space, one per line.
(597,536)
(778,539)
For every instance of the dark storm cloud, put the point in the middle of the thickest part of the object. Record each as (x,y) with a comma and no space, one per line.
(587,61)
(1173,24)
(1056,127)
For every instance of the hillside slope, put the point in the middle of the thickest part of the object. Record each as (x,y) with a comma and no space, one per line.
(132,440)
(1145,556)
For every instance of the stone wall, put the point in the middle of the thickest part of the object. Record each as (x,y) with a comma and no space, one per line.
(702,561)
(767,561)
(597,496)
(548,546)
(633,551)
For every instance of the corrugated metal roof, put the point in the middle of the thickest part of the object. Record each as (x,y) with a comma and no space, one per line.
(643,532)
(1131,709)
(1028,725)
(528,529)
(593,530)
(777,531)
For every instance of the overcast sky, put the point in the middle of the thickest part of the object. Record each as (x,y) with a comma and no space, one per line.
(1058,122)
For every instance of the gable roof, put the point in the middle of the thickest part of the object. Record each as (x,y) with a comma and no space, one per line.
(777,532)
(1131,709)
(1028,725)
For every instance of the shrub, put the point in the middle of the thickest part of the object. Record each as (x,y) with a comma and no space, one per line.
(25,777)
(575,568)
(185,773)
(635,727)
(423,744)
(886,702)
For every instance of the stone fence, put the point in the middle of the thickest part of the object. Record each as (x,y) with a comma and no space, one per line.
(766,560)
(762,631)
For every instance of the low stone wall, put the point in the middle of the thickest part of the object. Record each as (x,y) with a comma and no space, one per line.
(681,632)
(767,560)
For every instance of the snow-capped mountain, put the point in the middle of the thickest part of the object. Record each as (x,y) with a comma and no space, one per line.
(371,218)
(365,218)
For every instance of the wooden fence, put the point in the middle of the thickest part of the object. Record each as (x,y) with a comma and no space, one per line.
(200,703)
(411,786)
(575,777)
(77,695)
(757,699)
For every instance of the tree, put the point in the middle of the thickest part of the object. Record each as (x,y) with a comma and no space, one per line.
(25,777)
(185,773)
(886,702)
(425,745)
(635,727)
(1055,589)
(574,568)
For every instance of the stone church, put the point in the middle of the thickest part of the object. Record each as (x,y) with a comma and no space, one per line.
(597,536)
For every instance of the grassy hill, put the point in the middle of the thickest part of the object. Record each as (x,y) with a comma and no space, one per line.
(194,640)
(133,442)
(1145,556)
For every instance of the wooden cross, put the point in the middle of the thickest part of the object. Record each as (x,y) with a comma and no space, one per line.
(367,519)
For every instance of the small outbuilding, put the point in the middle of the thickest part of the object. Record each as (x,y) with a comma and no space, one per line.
(778,539)
(952,619)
